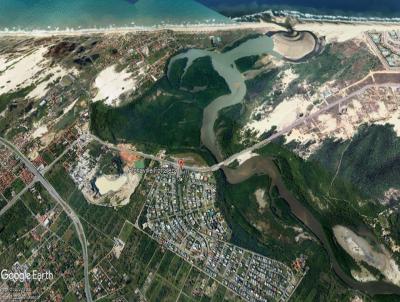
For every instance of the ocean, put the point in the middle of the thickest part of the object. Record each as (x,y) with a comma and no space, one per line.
(356,8)
(63,14)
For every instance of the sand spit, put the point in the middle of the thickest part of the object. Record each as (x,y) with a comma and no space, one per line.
(296,47)
(361,250)
(363,275)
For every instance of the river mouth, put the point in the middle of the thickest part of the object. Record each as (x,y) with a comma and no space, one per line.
(265,166)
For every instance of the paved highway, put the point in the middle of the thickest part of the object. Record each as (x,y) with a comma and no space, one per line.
(78,226)
(68,210)
(260,144)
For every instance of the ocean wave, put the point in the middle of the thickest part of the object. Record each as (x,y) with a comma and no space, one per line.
(317,17)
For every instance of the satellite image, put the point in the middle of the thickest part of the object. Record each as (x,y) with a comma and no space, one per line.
(200,150)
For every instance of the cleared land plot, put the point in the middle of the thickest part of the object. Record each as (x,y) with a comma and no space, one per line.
(161,291)
(126,231)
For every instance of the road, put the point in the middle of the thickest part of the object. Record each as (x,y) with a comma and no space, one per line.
(11,203)
(65,206)
(260,144)
(75,219)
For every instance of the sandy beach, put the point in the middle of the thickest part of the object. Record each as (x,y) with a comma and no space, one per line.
(123,30)
(341,32)
(332,31)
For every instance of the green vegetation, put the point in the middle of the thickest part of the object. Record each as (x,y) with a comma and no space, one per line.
(14,224)
(371,161)
(16,187)
(155,56)
(38,203)
(311,184)
(110,163)
(394,222)
(269,231)
(227,128)
(160,291)
(126,230)
(67,119)
(95,149)
(246,63)
(257,227)
(164,116)
(262,84)
(7,98)
(70,297)
(3,202)
(176,72)
(101,224)
(201,74)
(342,61)
(331,203)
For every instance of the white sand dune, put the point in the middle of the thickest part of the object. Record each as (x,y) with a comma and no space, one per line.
(111,85)
(284,114)
(21,73)
(28,69)
(42,88)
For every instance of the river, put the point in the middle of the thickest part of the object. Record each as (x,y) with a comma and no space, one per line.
(224,64)
(261,165)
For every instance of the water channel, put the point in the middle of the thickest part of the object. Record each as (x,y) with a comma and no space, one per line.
(224,64)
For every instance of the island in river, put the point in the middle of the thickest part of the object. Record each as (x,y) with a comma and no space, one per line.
(217,94)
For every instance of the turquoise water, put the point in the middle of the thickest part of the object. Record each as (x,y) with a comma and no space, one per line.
(44,14)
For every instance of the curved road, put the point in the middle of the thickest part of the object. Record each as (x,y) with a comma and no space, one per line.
(260,144)
(68,210)
(226,162)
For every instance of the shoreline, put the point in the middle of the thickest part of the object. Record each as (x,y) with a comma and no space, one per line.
(326,27)
(307,17)
(127,29)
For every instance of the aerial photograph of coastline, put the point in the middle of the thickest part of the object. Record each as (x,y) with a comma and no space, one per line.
(200,150)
